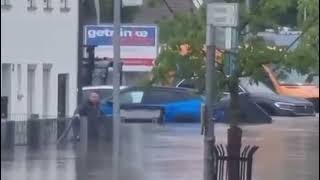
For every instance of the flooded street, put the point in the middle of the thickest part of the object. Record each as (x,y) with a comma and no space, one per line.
(289,150)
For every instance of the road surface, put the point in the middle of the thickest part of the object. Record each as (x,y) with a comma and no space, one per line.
(289,150)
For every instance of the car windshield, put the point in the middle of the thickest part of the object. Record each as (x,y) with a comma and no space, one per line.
(103,93)
(253,87)
(292,77)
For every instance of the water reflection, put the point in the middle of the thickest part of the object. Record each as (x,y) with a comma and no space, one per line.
(289,150)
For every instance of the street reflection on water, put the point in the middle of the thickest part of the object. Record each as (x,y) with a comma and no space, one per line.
(289,150)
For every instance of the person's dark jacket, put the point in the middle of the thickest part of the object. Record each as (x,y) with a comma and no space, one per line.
(93,113)
(89,110)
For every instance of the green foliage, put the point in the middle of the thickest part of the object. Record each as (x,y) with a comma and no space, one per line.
(190,28)
(305,58)
(254,53)
(269,14)
(251,55)
(186,27)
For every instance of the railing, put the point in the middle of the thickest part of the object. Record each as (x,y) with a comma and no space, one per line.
(244,162)
(31,131)
(24,129)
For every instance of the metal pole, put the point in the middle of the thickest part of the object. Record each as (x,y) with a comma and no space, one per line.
(248,5)
(97,6)
(116,87)
(209,139)
(80,51)
(304,14)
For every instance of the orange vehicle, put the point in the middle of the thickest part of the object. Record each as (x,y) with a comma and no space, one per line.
(291,83)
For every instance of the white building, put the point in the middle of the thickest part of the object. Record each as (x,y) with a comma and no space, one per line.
(39,40)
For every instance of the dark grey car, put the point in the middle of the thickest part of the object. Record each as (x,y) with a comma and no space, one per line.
(274,104)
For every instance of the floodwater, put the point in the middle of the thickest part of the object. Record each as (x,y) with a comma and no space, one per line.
(289,150)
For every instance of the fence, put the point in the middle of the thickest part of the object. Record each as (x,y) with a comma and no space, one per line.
(244,162)
(23,129)
(32,131)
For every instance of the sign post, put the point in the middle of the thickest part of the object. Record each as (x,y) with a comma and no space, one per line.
(219,15)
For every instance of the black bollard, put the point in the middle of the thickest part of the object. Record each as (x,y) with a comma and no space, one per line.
(9,135)
(61,126)
(33,131)
(83,148)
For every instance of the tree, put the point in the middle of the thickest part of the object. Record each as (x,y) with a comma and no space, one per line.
(306,56)
(188,30)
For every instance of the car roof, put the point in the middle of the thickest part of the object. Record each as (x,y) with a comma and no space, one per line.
(101,87)
(165,88)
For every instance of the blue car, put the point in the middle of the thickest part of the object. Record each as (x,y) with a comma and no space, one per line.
(179,104)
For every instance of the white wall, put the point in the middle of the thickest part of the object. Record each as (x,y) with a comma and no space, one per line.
(41,37)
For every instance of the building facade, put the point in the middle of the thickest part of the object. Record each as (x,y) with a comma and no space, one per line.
(39,40)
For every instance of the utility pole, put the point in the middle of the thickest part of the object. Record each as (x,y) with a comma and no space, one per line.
(116,87)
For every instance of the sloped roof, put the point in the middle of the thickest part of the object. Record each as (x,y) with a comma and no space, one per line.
(281,40)
(148,14)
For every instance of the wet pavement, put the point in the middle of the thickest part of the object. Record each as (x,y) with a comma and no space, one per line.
(289,150)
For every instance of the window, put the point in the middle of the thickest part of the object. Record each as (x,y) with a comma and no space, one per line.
(46,91)
(64,6)
(167,96)
(47,5)
(5,4)
(131,97)
(253,87)
(31,5)
(103,93)
(19,74)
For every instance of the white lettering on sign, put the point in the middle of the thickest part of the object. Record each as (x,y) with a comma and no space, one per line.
(93,33)
(141,34)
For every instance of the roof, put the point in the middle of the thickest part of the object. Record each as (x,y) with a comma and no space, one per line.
(281,40)
(146,14)
(155,14)
(177,89)
(100,87)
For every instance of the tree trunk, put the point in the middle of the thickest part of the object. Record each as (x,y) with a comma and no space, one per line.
(234,149)
(234,132)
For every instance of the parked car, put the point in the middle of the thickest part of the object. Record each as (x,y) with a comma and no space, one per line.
(293,84)
(179,104)
(274,104)
(271,102)
(104,91)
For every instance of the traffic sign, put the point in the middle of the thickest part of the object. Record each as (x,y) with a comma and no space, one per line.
(223,14)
